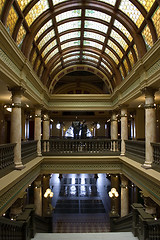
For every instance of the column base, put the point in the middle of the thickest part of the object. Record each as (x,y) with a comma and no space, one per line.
(39,154)
(19,167)
(122,154)
(147,165)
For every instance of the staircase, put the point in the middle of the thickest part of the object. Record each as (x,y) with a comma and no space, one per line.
(85,236)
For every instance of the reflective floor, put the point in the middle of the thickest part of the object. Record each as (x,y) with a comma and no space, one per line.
(81,203)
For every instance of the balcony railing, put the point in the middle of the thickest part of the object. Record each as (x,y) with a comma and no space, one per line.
(81,146)
(28,150)
(6,155)
(156,155)
(135,150)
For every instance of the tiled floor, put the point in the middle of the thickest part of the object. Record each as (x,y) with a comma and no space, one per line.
(81,203)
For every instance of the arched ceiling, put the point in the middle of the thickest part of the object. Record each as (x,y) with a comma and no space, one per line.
(109,35)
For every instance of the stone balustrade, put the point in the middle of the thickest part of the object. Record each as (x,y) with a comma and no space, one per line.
(135,150)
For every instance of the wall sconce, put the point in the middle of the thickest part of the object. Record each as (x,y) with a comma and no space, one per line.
(48,193)
(113,194)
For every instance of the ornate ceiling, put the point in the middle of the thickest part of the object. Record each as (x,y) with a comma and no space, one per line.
(104,37)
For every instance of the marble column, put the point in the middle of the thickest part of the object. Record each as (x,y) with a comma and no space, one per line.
(114,131)
(150,126)
(124,196)
(17,93)
(38,196)
(124,129)
(37,128)
(46,131)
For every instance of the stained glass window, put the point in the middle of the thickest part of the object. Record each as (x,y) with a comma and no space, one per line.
(147,37)
(147,4)
(34,57)
(11,20)
(92,44)
(135,49)
(38,64)
(70,44)
(71,53)
(50,35)
(23,3)
(95,25)
(69,36)
(112,2)
(71,58)
(121,71)
(97,14)
(58,1)
(131,59)
(36,10)
(104,65)
(51,55)
(68,14)
(69,25)
(1,4)
(156,20)
(115,48)
(108,52)
(126,65)
(20,36)
(41,71)
(45,27)
(94,36)
(119,39)
(132,12)
(119,25)
(85,57)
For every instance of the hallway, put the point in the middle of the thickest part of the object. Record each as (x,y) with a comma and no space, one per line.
(81,203)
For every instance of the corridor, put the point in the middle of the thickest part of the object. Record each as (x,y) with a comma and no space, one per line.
(81,203)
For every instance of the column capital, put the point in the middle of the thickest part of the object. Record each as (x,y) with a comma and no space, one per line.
(38,106)
(149,91)
(17,90)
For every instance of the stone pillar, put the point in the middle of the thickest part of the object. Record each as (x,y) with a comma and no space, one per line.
(150,125)
(124,129)
(46,131)
(114,131)
(124,196)
(17,92)
(23,125)
(38,196)
(37,128)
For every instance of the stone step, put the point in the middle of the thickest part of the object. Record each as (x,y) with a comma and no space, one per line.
(85,236)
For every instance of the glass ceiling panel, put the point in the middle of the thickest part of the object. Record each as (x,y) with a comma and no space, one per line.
(2,5)
(92,44)
(11,20)
(95,25)
(20,36)
(69,25)
(69,36)
(97,14)
(23,3)
(71,58)
(87,52)
(47,37)
(147,37)
(111,55)
(71,53)
(42,30)
(131,59)
(147,4)
(94,36)
(36,10)
(118,25)
(47,49)
(132,12)
(126,65)
(156,20)
(58,1)
(119,39)
(51,55)
(68,14)
(85,57)
(104,65)
(70,44)
(115,48)
(56,66)
(112,2)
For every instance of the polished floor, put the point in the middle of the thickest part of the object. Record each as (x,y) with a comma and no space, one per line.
(81,203)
